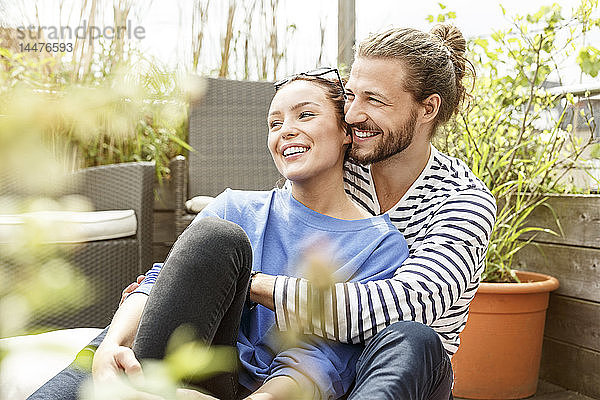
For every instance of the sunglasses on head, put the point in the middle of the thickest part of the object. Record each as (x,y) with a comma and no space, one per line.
(316,73)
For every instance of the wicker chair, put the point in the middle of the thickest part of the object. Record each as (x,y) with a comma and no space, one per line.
(228,131)
(108,264)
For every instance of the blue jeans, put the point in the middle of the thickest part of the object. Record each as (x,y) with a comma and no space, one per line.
(404,361)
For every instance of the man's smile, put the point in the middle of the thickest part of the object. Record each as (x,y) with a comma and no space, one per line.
(365,134)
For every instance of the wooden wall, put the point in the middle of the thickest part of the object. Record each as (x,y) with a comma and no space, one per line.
(571,352)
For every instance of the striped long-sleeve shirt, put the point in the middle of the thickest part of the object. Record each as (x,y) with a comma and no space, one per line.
(447,217)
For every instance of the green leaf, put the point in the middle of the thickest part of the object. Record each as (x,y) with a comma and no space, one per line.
(181,143)
(589,60)
(6,53)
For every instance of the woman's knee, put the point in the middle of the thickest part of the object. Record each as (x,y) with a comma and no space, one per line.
(214,240)
(218,232)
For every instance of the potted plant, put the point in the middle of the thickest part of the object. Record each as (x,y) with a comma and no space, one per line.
(519,141)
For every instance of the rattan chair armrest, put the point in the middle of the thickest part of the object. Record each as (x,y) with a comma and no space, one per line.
(123,186)
(179,176)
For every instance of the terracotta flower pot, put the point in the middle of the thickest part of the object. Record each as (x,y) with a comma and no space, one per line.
(501,345)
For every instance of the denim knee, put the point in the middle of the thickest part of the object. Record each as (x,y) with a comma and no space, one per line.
(415,335)
(213,240)
(406,360)
(216,229)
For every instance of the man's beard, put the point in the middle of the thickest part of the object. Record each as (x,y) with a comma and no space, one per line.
(393,143)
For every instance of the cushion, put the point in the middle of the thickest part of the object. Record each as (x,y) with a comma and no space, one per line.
(196,204)
(69,226)
(33,359)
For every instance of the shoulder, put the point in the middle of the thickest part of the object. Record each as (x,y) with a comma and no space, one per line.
(454,174)
(235,204)
(238,198)
(463,199)
(448,180)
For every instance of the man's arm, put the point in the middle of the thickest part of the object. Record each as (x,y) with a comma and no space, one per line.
(279,388)
(427,285)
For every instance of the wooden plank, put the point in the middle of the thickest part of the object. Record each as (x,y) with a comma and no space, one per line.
(577,268)
(574,321)
(346,32)
(579,216)
(562,395)
(571,367)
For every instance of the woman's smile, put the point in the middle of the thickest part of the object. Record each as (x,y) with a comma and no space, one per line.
(293,151)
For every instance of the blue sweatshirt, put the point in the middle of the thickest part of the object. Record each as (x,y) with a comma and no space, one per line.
(282,231)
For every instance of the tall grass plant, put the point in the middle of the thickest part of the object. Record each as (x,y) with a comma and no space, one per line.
(516,136)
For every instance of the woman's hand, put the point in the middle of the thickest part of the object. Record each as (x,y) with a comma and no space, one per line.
(129,289)
(111,360)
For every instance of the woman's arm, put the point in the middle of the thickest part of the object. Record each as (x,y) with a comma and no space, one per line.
(114,355)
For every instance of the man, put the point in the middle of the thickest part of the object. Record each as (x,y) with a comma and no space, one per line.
(402,86)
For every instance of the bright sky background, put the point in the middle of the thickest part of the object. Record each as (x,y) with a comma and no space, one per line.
(168,23)
(474,18)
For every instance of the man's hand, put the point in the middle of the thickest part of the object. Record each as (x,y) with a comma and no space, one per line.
(129,289)
(111,360)
(279,388)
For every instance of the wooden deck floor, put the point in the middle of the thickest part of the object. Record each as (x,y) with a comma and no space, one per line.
(548,391)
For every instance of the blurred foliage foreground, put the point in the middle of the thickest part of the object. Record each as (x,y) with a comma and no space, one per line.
(51,125)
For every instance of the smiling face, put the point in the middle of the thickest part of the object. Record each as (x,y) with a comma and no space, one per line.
(383,116)
(306,136)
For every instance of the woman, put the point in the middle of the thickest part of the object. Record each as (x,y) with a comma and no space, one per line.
(205,277)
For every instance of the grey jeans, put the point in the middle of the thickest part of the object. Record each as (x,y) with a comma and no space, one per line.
(203,283)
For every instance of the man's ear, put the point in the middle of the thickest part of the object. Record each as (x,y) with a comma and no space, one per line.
(431,107)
